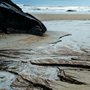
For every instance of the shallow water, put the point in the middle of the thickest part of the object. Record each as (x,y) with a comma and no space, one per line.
(80,30)
(6,79)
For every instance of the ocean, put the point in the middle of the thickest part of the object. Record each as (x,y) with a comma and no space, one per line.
(54,2)
(55,6)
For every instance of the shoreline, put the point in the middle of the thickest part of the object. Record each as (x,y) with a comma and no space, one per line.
(64,40)
(71,42)
(50,17)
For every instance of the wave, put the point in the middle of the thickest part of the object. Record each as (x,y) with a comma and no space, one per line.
(55,9)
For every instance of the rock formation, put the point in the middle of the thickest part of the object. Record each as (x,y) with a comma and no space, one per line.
(14,20)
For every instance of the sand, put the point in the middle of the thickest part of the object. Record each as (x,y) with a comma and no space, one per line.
(67,37)
(46,17)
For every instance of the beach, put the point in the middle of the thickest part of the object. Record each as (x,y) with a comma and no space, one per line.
(46,17)
(60,60)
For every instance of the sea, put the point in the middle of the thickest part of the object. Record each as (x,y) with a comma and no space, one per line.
(54,2)
(55,6)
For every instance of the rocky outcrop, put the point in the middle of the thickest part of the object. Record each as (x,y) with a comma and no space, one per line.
(71,10)
(14,20)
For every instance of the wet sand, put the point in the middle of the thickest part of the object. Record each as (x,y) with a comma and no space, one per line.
(64,40)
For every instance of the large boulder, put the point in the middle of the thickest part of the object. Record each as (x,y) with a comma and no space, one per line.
(14,20)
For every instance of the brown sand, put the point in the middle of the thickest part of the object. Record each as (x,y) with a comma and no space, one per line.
(46,17)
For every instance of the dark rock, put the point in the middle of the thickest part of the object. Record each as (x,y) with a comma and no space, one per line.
(71,10)
(14,20)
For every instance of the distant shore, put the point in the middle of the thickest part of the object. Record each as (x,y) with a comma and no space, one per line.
(46,17)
